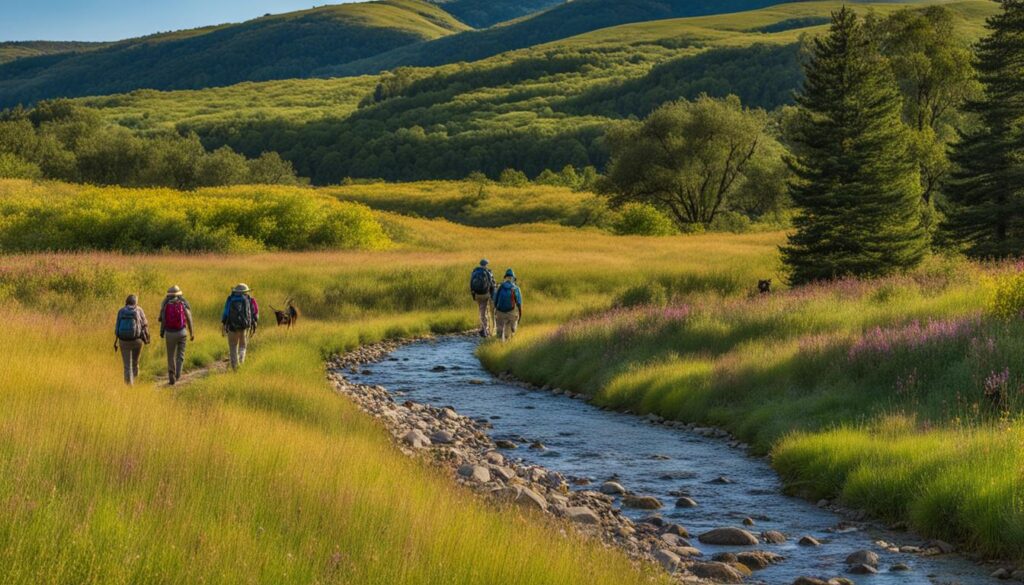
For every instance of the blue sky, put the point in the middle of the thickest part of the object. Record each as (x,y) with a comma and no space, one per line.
(108,20)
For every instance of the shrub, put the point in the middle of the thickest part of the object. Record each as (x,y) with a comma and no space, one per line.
(641,219)
(1006,295)
(236,219)
(647,294)
(14,167)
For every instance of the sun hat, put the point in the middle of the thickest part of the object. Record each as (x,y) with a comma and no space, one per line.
(241,288)
(484,262)
(174,291)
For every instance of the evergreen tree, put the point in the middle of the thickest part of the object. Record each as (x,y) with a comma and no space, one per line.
(986,194)
(857,188)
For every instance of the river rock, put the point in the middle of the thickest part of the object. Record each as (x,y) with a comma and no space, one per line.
(717,572)
(503,473)
(808,541)
(840,581)
(678,530)
(721,480)
(448,414)
(526,498)
(773,537)
(748,521)
(863,557)
(505,444)
(443,437)
(863,569)
(668,559)
(758,559)
(416,439)
(612,488)
(728,537)
(943,546)
(674,539)
(898,567)
(582,515)
(494,458)
(809,581)
(477,473)
(685,502)
(641,502)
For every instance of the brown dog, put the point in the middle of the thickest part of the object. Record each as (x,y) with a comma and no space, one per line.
(289,316)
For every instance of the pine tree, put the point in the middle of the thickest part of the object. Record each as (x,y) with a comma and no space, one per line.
(986,194)
(857,188)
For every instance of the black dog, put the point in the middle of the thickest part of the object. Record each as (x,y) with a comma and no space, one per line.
(289,316)
(764,286)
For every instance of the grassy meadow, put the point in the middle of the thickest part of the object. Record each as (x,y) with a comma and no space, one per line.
(266,476)
(900,396)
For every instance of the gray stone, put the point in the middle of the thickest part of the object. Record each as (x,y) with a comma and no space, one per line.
(477,473)
(943,546)
(758,559)
(582,515)
(809,581)
(641,502)
(808,541)
(773,537)
(728,537)
(685,502)
(503,444)
(416,439)
(612,488)
(900,567)
(863,569)
(668,559)
(863,557)
(717,572)
(443,437)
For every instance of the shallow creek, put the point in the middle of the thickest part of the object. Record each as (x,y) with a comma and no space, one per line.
(586,442)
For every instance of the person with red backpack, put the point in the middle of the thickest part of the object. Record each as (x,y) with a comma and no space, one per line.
(240,317)
(175,319)
(131,333)
(508,306)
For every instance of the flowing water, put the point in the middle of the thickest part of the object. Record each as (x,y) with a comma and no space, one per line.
(584,441)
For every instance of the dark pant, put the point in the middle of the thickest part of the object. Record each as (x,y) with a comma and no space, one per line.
(175,352)
(131,351)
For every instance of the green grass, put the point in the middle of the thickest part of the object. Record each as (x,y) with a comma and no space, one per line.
(873,392)
(266,476)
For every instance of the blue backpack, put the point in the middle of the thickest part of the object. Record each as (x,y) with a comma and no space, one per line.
(506,298)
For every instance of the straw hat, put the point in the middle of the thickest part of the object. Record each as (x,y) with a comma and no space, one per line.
(241,288)
(174,291)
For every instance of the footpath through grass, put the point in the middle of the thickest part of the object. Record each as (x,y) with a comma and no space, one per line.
(266,476)
(901,396)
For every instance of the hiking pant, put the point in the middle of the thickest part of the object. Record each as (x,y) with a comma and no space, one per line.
(131,351)
(507,323)
(485,313)
(237,342)
(175,353)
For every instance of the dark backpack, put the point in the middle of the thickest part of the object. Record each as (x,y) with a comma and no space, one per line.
(481,281)
(129,326)
(506,301)
(175,318)
(239,313)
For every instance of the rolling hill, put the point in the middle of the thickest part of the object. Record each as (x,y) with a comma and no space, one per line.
(542,107)
(485,13)
(291,45)
(10,51)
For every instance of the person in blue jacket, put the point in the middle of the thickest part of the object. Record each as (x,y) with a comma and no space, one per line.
(240,317)
(508,306)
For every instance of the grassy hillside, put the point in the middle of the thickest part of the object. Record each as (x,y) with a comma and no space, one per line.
(296,44)
(537,108)
(485,13)
(11,50)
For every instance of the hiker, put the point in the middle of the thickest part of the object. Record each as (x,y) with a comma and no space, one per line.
(482,287)
(240,318)
(508,306)
(131,332)
(175,319)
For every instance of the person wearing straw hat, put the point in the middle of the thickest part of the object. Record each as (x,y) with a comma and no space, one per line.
(175,322)
(240,317)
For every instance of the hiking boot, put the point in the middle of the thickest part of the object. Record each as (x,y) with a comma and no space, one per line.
(170,379)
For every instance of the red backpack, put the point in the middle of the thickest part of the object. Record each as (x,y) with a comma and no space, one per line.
(174,316)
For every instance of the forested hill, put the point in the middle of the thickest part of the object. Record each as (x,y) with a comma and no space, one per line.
(563,21)
(283,46)
(9,51)
(485,13)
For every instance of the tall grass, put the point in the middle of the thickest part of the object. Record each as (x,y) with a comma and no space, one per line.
(266,476)
(901,396)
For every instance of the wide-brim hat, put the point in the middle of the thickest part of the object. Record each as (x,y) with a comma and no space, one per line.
(174,291)
(241,288)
